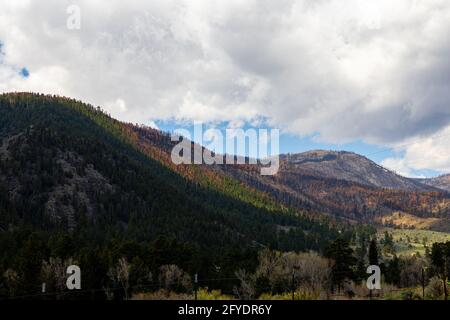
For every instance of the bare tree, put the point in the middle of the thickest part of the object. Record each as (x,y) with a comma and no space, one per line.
(292,270)
(120,275)
(171,276)
(12,281)
(246,291)
(411,271)
(53,273)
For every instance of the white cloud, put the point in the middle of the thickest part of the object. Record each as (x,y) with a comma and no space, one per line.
(117,107)
(153,125)
(432,152)
(357,69)
(400,166)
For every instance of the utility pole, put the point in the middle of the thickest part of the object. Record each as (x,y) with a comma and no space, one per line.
(445,278)
(423,283)
(293,284)
(294,269)
(195,286)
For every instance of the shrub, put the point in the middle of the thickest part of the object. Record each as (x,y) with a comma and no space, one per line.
(205,294)
(434,289)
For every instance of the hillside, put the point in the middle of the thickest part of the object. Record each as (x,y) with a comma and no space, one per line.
(76,183)
(68,165)
(334,183)
(409,242)
(441,182)
(338,184)
(350,166)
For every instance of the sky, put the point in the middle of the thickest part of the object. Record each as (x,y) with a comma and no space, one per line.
(367,76)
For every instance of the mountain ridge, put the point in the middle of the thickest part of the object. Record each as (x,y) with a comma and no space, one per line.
(313,185)
(69,166)
(350,166)
(441,182)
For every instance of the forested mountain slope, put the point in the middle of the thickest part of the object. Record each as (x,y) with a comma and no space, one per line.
(68,165)
(441,182)
(340,184)
(307,183)
(76,183)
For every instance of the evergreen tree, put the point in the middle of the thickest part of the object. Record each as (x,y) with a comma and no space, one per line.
(344,262)
(440,258)
(392,273)
(373,253)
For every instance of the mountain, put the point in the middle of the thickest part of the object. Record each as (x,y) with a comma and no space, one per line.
(349,186)
(78,165)
(352,167)
(69,166)
(441,182)
(335,184)
(78,184)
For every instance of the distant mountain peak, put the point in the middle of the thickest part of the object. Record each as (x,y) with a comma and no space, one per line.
(441,182)
(350,166)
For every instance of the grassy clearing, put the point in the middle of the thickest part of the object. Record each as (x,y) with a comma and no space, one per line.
(412,241)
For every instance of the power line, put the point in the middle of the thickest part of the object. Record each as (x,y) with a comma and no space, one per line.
(401,146)
(74,292)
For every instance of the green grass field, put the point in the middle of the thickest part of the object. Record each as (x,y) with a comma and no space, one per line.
(409,242)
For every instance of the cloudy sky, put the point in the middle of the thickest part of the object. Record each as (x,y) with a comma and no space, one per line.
(367,76)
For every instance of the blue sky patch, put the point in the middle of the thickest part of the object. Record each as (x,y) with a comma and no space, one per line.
(290,143)
(24,72)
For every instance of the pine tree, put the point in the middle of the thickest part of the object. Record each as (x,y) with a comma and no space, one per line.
(344,262)
(373,253)
(393,272)
(440,257)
